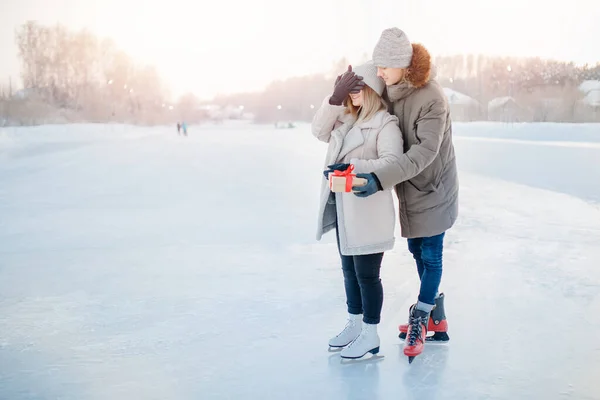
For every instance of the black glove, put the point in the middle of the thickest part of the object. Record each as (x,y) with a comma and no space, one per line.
(371,187)
(337,80)
(347,83)
(335,167)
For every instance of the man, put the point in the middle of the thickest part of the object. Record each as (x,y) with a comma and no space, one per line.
(425,177)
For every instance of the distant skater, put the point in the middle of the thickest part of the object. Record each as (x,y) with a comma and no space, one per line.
(184,128)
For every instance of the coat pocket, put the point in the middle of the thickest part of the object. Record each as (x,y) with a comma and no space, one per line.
(430,178)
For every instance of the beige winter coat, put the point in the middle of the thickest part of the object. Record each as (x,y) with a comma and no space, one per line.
(425,177)
(366,224)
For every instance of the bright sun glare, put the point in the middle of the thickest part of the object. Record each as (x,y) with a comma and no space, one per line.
(235,46)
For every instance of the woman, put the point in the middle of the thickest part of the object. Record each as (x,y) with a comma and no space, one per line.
(355,122)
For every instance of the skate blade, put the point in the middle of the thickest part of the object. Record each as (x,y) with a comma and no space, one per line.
(438,337)
(372,351)
(364,359)
(335,349)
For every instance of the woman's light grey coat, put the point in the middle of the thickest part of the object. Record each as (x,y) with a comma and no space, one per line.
(366,224)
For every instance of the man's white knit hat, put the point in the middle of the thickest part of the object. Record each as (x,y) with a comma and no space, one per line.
(393,50)
(368,71)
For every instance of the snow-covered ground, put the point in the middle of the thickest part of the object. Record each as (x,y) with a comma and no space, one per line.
(559,157)
(136,264)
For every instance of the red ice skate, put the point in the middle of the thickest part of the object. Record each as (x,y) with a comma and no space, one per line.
(438,325)
(415,336)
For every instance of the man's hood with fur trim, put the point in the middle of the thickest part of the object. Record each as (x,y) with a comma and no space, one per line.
(418,74)
(419,70)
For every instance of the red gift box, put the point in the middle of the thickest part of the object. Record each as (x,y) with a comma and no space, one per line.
(342,181)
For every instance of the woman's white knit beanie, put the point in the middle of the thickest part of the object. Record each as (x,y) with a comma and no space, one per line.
(368,71)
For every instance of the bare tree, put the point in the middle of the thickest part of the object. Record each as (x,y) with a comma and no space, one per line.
(78,72)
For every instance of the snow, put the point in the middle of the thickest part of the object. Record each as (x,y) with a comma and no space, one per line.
(138,264)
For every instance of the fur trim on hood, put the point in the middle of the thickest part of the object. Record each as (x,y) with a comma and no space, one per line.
(418,74)
(419,71)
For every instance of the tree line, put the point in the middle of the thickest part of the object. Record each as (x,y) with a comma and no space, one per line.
(84,78)
(76,72)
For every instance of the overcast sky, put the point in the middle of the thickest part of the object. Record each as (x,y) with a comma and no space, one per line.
(210,47)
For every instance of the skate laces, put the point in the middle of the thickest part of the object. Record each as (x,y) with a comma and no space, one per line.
(416,329)
(359,338)
(349,325)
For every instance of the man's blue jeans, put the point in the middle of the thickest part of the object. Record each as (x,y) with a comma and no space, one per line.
(427,253)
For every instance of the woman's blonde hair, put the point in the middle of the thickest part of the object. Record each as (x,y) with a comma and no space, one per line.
(372,104)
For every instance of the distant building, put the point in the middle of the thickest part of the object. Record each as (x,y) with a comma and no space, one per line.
(592,98)
(26,94)
(218,113)
(588,86)
(462,107)
(591,91)
(507,109)
(589,106)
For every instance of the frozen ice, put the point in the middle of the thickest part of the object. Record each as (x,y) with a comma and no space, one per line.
(138,264)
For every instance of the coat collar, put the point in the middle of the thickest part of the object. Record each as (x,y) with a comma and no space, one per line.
(354,135)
